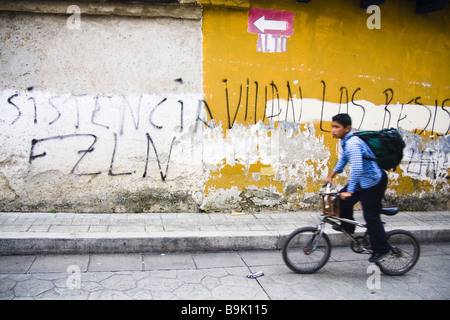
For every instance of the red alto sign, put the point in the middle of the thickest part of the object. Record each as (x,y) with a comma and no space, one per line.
(274,22)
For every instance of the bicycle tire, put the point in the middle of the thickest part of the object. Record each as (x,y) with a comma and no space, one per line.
(405,252)
(296,254)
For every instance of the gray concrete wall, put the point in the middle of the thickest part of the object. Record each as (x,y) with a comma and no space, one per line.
(100,116)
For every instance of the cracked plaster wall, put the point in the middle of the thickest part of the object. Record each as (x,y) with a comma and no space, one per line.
(148,114)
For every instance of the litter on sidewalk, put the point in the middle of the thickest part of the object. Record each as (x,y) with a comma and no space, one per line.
(255,275)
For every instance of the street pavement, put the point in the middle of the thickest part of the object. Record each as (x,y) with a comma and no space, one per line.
(218,276)
(60,233)
(197,256)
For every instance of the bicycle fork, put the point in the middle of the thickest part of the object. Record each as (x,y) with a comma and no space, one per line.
(313,243)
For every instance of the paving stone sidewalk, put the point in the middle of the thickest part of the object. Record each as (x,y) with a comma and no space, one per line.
(37,233)
(218,276)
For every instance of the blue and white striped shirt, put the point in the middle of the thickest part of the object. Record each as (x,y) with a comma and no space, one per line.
(364,173)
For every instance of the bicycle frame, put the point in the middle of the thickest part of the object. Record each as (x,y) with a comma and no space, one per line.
(331,210)
(333,221)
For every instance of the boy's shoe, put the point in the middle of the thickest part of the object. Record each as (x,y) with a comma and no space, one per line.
(377,256)
(341,229)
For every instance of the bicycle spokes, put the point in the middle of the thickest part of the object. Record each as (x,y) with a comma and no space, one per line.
(306,250)
(405,252)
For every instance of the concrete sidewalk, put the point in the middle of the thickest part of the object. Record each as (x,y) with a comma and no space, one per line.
(40,233)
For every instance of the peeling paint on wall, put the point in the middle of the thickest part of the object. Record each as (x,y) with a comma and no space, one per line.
(334,64)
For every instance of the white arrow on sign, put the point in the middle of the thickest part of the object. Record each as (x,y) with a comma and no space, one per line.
(262,24)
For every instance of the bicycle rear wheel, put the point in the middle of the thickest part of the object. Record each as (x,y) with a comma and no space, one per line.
(405,252)
(304,252)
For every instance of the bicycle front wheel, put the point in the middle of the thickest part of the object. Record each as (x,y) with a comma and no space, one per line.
(405,252)
(305,251)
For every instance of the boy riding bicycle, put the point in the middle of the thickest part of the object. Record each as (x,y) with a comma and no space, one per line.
(367,184)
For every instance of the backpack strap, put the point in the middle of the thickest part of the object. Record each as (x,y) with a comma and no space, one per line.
(364,157)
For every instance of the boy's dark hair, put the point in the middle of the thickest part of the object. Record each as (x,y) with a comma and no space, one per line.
(343,118)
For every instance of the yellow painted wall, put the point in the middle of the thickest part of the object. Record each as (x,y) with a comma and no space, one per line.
(332,43)
(332,56)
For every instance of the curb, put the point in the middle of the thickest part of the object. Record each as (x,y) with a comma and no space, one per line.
(83,243)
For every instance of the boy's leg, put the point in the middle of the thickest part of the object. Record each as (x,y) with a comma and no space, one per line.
(371,202)
(346,207)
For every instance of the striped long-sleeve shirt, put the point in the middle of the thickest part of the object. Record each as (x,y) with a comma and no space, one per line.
(364,173)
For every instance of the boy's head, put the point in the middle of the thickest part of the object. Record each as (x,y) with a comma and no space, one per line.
(341,125)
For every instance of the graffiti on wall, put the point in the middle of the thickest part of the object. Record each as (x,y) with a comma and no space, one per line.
(285,102)
(125,135)
(425,127)
(102,134)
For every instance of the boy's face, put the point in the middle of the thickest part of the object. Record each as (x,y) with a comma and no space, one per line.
(338,130)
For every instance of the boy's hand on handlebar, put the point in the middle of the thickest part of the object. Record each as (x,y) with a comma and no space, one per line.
(329,179)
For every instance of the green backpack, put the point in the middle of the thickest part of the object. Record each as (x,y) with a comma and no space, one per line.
(387,145)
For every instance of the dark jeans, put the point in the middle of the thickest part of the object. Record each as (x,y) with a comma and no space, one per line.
(371,203)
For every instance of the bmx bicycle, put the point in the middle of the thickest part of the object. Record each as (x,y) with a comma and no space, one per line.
(307,249)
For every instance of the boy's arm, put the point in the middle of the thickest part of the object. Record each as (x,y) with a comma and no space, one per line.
(338,168)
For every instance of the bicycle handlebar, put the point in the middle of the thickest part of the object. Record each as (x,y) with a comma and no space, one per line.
(328,191)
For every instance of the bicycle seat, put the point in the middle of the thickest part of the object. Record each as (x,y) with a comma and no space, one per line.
(391,211)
